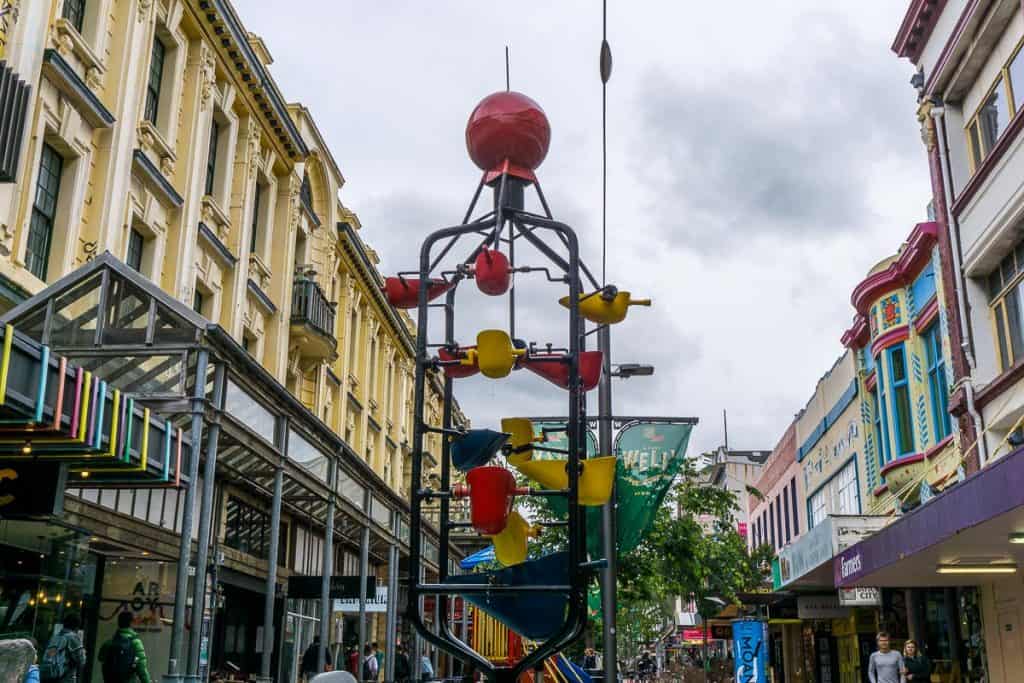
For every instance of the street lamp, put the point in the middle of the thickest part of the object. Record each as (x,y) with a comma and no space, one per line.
(627,370)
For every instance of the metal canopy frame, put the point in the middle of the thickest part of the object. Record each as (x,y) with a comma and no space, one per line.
(507,224)
(111,319)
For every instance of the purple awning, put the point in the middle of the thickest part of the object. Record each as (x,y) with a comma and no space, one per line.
(995,490)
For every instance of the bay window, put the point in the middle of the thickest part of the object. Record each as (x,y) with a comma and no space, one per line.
(900,397)
(1003,101)
(938,386)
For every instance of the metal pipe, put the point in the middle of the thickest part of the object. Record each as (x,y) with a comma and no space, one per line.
(271,582)
(364,570)
(205,517)
(325,587)
(609,538)
(953,226)
(391,628)
(174,668)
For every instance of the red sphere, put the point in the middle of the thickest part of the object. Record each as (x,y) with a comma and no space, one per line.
(507,125)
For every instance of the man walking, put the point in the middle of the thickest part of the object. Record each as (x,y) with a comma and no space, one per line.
(63,660)
(309,659)
(885,664)
(123,657)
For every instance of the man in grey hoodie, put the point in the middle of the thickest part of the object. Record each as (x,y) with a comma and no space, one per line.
(885,665)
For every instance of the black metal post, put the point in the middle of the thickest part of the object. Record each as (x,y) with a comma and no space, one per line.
(326,612)
(175,670)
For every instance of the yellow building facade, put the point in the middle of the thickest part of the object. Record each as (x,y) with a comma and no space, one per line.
(153,130)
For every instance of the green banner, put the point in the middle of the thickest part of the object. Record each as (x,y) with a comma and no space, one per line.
(650,456)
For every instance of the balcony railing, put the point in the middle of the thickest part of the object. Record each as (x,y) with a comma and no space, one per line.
(311,307)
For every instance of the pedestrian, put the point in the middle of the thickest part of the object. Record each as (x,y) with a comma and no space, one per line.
(916,666)
(353,661)
(309,659)
(123,656)
(63,660)
(369,664)
(426,667)
(885,665)
(402,667)
(378,652)
(589,659)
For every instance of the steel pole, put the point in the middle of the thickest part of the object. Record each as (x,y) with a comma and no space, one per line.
(326,613)
(174,669)
(608,526)
(391,627)
(271,584)
(364,570)
(205,519)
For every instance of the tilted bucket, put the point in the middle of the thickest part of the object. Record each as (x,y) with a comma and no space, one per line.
(556,371)
(511,544)
(462,369)
(521,438)
(495,354)
(606,307)
(476,447)
(595,482)
(403,292)
(492,272)
(491,492)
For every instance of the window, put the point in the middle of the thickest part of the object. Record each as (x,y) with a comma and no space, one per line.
(254,230)
(74,12)
(246,529)
(938,386)
(796,517)
(156,76)
(1003,101)
(44,212)
(135,244)
(784,499)
(881,426)
(900,400)
(840,495)
(1006,294)
(197,302)
(771,523)
(211,158)
(778,518)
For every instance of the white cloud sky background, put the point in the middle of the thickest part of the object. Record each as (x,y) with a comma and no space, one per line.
(762,157)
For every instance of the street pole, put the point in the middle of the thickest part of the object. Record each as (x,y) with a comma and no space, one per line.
(704,657)
(608,526)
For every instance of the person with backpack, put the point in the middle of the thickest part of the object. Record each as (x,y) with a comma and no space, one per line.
(369,664)
(63,660)
(123,657)
(402,667)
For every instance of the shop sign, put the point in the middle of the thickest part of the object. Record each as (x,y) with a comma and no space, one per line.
(860,597)
(31,488)
(342,587)
(820,607)
(378,604)
(750,651)
(810,552)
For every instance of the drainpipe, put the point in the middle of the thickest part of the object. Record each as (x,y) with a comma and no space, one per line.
(938,114)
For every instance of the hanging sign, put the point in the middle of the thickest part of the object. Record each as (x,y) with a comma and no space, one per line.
(860,597)
(750,651)
(342,587)
(820,607)
(28,489)
(378,604)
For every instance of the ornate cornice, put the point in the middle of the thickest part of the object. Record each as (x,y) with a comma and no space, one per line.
(901,272)
(917,27)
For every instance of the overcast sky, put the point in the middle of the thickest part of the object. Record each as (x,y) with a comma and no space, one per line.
(762,157)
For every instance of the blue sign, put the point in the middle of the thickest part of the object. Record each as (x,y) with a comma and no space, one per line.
(750,651)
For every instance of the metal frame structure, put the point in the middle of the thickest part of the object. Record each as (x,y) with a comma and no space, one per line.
(508,223)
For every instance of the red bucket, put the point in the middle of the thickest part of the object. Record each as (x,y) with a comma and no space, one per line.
(404,292)
(492,272)
(491,493)
(551,368)
(457,371)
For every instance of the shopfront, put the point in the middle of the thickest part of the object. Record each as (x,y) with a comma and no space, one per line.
(949,571)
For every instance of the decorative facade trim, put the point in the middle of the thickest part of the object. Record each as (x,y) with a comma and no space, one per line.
(64,78)
(927,315)
(912,258)
(916,28)
(156,180)
(858,336)
(261,297)
(219,248)
(890,338)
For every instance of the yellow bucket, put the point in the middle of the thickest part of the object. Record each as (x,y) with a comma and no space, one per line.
(521,438)
(595,482)
(510,544)
(494,354)
(603,311)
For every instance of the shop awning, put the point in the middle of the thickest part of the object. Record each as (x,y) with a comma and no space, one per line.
(807,564)
(968,525)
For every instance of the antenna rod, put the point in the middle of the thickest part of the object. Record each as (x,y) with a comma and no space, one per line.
(508,82)
(725,429)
